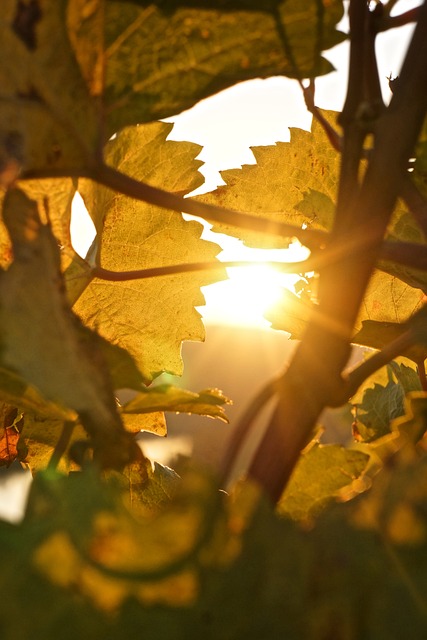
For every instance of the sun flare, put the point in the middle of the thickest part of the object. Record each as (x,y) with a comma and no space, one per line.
(248,293)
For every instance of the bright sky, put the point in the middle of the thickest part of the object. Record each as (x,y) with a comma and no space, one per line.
(254,113)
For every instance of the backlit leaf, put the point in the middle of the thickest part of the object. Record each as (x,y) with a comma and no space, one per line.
(321,473)
(149,318)
(387,300)
(162,57)
(293,182)
(168,398)
(290,314)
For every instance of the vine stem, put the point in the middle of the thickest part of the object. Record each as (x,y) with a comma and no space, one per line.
(169,270)
(244,428)
(314,377)
(422,374)
(406,253)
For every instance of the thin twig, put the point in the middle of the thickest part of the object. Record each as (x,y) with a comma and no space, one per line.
(333,135)
(303,266)
(122,183)
(406,253)
(244,428)
(391,22)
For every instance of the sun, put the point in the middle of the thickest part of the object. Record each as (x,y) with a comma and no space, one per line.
(243,299)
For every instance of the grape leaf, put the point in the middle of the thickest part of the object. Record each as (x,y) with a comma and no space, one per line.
(387,300)
(161,58)
(380,404)
(154,422)
(38,331)
(149,318)
(46,123)
(377,334)
(169,398)
(293,182)
(290,314)
(322,471)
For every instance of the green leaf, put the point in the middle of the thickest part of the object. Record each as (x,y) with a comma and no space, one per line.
(322,472)
(149,318)
(293,182)
(168,398)
(162,57)
(379,404)
(48,120)
(379,407)
(42,342)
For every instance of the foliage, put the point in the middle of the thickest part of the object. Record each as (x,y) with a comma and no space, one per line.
(113,545)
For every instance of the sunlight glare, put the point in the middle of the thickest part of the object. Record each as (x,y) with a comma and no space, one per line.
(244,298)
(82,229)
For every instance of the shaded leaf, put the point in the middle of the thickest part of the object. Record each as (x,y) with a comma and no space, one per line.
(162,57)
(168,398)
(293,182)
(321,473)
(379,407)
(380,404)
(149,318)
